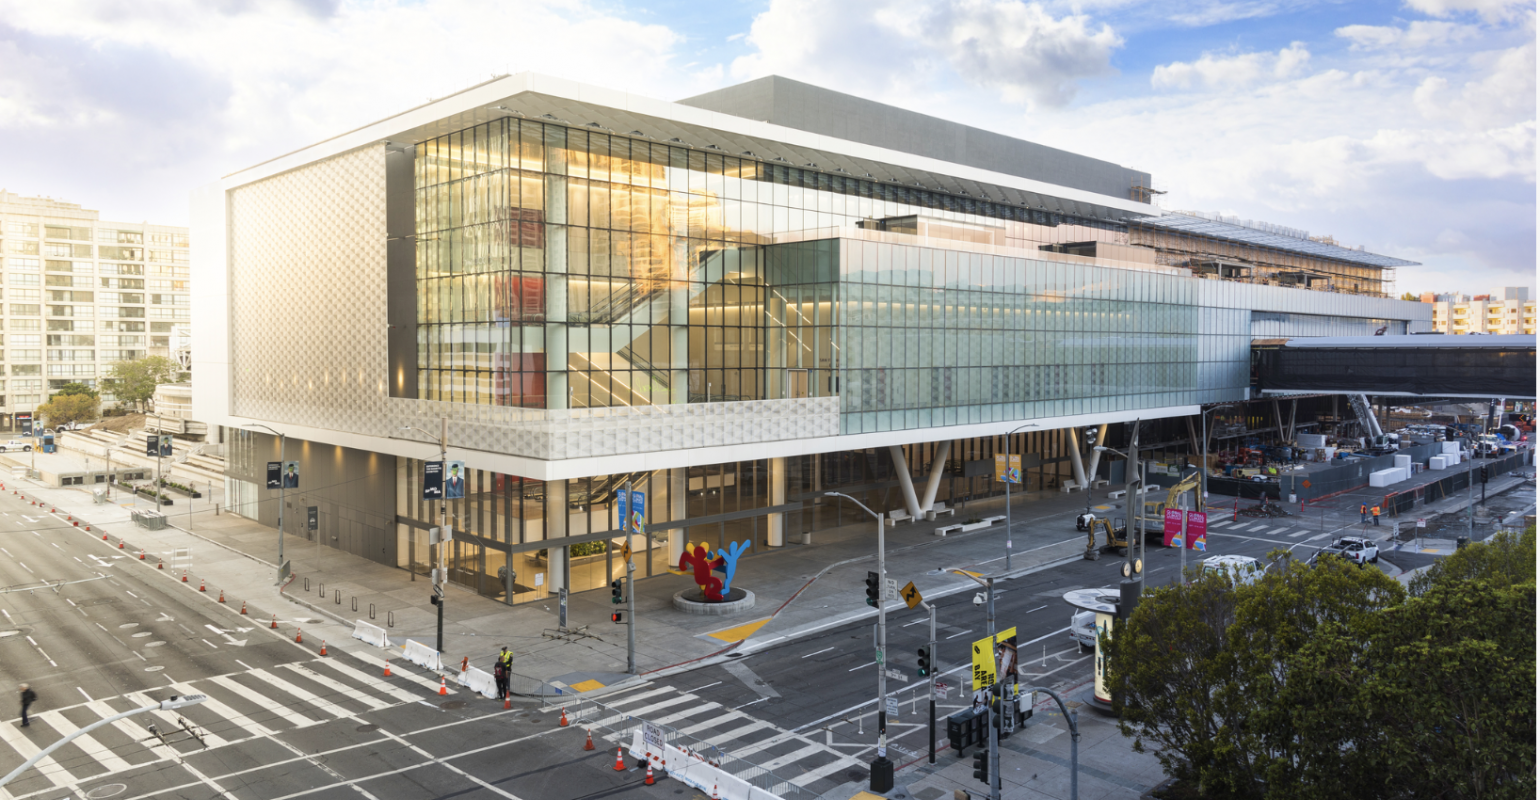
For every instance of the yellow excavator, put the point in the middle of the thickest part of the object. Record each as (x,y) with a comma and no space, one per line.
(1156,509)
(1116,540)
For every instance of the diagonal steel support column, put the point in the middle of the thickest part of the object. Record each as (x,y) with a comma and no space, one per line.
(937,469)
(901,466)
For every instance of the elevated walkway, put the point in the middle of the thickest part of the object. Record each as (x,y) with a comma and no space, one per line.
(1422,365)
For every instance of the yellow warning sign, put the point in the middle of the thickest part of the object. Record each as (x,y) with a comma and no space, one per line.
(985,661)
(910,594)
(625,551)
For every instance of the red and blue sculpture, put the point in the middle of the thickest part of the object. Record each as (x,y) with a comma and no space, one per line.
(700,562)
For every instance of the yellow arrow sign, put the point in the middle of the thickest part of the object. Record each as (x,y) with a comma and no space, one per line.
(911,595)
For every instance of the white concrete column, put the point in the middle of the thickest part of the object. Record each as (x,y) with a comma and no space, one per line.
(776,522)
(937,469)
(556,517)
(1074,459)
(1096,455)
(901,466)
(677,512)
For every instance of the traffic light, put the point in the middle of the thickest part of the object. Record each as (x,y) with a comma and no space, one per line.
(872,590)
(924,661)
(617,596)
(1483,473)
(433,598)
(617,617)
(981,765)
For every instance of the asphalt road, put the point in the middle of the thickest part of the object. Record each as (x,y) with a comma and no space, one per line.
(284,723)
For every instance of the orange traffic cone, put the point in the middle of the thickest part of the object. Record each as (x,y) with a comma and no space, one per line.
(620,759)
(184,576)
(714,795)
(275,622)
(649,780)
(161,565)
(562,723)
(120,544)
(589,744)
(323,647)
(201,587)
(508,703)
(387,667)
(104,537)
(442,689)
(141,555)
(243,608)
(221,595)
(299,635)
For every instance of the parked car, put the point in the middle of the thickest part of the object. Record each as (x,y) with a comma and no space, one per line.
(15,446)
(1358,550)
(1082,628)
(1240,569)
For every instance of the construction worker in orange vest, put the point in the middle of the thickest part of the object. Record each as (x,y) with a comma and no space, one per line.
(1363,512)
(1376,512)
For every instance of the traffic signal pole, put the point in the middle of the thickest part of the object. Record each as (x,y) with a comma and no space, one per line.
(929,668)
(630,617)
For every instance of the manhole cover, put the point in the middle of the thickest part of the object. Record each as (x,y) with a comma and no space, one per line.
(153,669)
(451,705)
(143,634)
(153,644)
(106,790)
(366,728)
(129,625)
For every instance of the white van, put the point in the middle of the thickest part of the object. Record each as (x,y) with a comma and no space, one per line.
(1240,569)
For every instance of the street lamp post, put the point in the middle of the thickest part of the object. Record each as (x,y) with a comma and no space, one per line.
(988,582)
(882,768)
(283,441)
(164,705)
(1008,491)
(1133,481)
(440,573)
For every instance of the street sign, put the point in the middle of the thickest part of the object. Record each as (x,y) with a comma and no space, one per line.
(891,587)
(911,595)
(1305,483)
(652,736)
(625,551)
(879,657)
(1422,523)
(942,690)
(892,706)
(1395,529)
(894,674)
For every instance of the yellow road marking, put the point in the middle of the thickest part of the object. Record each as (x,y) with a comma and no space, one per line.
(741,632)
(586,686)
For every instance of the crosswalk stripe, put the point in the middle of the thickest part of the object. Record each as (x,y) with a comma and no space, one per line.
(47,767)
(402,668)
(374,703)
(379,683)
(307,696)
(614,718)
(794,756)
(820,772)
(213,739)
(129,729)
(262,701)
(617,703)
(87,744)
(1318,536)
(723,738)
(1220,524)
(715,722)
(700,709)
(1257,526)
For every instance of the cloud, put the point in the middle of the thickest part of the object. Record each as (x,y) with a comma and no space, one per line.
(1493,10)
(1503,97)
(1019,50)
(1241,69)
(1417,34)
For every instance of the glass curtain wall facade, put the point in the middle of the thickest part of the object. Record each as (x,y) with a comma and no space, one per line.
(570,267)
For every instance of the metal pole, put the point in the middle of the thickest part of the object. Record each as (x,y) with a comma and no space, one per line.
(283,442)
(994,732)
(1007,504)
(1073,716)
(1203,468)
(931,679)
(882,646)
(443,523)
(625,528)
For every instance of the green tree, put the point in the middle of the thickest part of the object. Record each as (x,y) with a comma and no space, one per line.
(1409,296)
(1506,558)
(135,381)
(1197,668)
(77,388)
(65,409)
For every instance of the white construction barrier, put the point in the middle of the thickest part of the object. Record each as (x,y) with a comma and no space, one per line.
(423,656)
(373,634)
(1404,462)
(479,681)
(694,770)
(1438,462)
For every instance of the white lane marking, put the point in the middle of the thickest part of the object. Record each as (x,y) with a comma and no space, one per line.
(6,613)
(819,772)
(136,597)
(296,691)
(707,686)
(124,727)
(606,722)
(293,717)
(88,745)
(402,668)
(1298,533)
(1317,537)
(342,689)
(7,552)
(244,664)
(25,567)
(56,545)
(964,633)
(816,652)
(209,643)
(863,666)
(47,767)
(916,622)
(83,692)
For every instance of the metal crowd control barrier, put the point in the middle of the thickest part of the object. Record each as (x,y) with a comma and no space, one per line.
(594,714)
(149,520)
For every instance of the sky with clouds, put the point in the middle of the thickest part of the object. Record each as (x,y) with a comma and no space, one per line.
(1404,126)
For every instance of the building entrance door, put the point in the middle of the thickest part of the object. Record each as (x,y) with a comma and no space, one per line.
(796,383)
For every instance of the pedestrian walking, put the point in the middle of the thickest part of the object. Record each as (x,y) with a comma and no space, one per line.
(1363,513)
(28,697)
(1376,512)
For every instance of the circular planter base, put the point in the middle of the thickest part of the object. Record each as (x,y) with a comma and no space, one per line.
(693,601)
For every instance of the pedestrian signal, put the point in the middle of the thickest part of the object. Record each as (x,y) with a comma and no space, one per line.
(617,617)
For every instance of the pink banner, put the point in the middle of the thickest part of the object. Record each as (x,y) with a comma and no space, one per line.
(1173,529)
(1197,530)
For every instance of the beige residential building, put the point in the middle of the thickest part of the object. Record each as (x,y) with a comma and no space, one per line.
(1510,310)
(80,294)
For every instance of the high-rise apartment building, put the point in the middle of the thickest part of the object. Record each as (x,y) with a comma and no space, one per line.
(81,293)
(733,303)
(1507,310)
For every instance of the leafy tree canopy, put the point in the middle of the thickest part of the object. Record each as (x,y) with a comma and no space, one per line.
(65,409)
(135,381)
(77,388)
